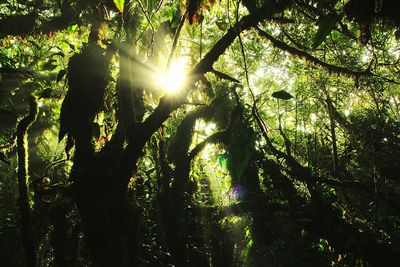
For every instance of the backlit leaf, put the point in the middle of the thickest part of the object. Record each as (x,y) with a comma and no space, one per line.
(325,26)
(72,28)
(120,5)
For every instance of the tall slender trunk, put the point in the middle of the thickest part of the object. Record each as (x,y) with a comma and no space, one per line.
(25,210)
(335,157)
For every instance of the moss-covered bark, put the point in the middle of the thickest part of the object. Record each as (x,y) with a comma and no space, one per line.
(23,179)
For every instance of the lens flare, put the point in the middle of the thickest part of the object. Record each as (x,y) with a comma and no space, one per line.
(174,78)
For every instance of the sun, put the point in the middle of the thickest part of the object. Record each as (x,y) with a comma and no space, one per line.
(174,78)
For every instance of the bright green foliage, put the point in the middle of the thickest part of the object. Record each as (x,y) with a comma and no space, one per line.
(120,5)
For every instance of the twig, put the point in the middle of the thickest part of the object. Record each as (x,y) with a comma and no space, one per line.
(243,53)
(176,37)
(224,76)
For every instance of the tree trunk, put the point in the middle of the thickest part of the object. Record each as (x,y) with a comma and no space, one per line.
(106,213)
(63,242)
(24,206)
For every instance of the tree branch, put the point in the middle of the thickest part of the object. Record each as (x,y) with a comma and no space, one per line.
(302,54)
(28,24)
(224,76)
(217,137)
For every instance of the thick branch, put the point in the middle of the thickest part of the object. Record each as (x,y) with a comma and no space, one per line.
(125,92)
(17,25)
(28,24)
(217,137)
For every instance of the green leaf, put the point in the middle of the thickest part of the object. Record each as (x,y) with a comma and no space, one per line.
(171,14)
(282,94)
(325,26)
(50,65)
(71,46)
(46,93)
(96,130)
(223,159)
(58,54)
(120,5)
(61,75)
(34,43)
(72,28)
(323,245)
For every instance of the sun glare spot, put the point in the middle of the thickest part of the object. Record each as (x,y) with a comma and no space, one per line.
(210,128)
(174,78)
(313,117)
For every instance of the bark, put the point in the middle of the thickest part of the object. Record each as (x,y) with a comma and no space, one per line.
(24,206)
(63,243)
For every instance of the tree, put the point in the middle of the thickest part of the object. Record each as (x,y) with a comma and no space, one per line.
(201,132)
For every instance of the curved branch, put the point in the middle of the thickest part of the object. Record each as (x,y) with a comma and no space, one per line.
(302,54)
(217,137)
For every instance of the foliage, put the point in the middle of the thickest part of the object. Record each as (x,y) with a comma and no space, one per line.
(281,148)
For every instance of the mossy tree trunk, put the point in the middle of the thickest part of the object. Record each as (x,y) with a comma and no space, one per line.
(24,199)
